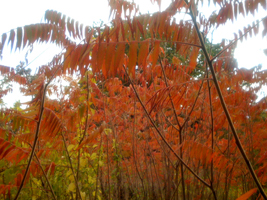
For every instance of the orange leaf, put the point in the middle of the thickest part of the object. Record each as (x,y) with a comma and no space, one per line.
(122,31)
(155,53)
(119,56)
(143,52)
(163,18)
(176,60)
(247,194)
(109,63)
(140,27)
(75,55)
(101,54)
(94,59)
(193,58)
(132,57)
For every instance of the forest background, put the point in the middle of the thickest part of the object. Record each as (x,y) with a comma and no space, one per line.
(145,106)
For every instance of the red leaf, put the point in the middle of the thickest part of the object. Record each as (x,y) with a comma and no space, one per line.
(18,181)
(8,151)
(53,165)
(4,69)
(3,147)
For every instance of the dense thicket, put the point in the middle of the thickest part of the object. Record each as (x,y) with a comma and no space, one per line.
(145,108)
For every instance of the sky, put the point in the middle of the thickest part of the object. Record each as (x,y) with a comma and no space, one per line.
(15,13)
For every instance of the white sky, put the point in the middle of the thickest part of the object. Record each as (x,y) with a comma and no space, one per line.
(15,13)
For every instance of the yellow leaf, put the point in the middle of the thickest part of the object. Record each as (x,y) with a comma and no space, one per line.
(36,181)
(93,80)
(83,195)
(92,111)
(69,172)
(71,188)
(81,110)
(70,147)
(70,175)
(93,156)
(91,180)
(247,194)
(83,162)
(107,131)
(101,163)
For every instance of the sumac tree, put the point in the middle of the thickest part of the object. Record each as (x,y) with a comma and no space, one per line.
(151,109)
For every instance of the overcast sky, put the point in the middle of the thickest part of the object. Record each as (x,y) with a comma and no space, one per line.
(15,13)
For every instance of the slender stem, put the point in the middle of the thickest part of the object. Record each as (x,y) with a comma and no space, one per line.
(212,139)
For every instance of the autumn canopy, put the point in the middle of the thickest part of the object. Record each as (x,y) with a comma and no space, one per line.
(146,107)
